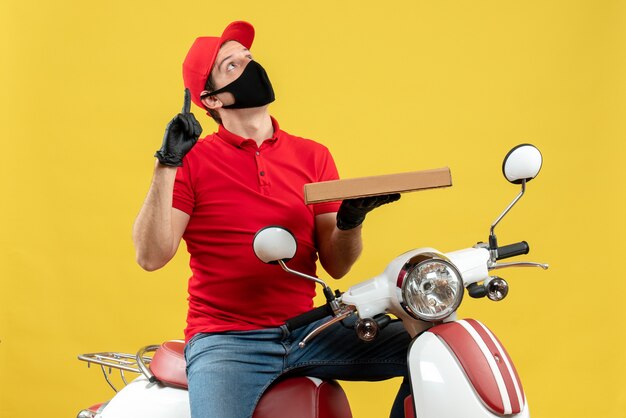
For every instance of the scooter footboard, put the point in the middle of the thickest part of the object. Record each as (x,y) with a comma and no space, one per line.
(461,369)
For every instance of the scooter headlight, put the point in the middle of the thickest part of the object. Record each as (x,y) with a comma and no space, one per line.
(431,288)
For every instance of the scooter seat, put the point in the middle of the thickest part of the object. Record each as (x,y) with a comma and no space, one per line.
(168,364)
(303,397)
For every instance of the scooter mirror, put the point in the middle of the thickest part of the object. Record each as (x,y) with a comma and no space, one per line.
(523,162)
(274,243)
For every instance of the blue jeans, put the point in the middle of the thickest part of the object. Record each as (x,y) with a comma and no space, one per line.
(228,372)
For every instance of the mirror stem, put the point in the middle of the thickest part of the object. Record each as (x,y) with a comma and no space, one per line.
(493,241)
(297,273)
(519,196)
(328,292)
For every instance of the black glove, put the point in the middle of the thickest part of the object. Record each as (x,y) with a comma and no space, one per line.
(180,136)
(352,211)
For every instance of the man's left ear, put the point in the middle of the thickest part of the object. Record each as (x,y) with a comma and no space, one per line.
(211,102)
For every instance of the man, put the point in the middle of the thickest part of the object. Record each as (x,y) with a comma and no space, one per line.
(215,193)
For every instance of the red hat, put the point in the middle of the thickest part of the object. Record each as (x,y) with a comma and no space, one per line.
(201,56)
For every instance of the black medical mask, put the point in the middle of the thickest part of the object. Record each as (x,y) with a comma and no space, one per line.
(251,89)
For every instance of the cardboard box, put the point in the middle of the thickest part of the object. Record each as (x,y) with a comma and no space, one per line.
(377,185)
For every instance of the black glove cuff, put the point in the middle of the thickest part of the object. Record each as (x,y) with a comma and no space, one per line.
(349,217)
(352,212)
(170,160)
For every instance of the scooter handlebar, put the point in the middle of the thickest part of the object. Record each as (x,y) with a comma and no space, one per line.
(511,250)
(309,317)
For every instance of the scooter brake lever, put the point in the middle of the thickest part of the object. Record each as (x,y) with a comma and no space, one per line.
(496,266)
(346,312)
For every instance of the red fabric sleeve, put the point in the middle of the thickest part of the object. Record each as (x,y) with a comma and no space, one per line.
(328,172)
(183,198)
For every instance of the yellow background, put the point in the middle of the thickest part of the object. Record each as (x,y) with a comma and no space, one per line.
(87,88)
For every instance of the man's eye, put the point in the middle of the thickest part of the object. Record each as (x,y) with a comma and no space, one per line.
(230,66)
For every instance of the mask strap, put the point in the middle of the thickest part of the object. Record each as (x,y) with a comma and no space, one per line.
(224,89)
(218,91)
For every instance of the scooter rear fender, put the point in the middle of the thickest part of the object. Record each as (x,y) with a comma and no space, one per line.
(142,399)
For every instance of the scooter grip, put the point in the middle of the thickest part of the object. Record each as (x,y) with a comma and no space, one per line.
(309,317)
(511,250)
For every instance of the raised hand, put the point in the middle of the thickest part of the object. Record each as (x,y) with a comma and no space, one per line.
(181,134)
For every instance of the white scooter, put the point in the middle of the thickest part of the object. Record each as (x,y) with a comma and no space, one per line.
(457,368)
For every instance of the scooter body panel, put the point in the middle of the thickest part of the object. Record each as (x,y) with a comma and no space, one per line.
(444,385)
(142,399)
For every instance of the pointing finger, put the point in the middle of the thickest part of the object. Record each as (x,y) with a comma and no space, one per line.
(187,103)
